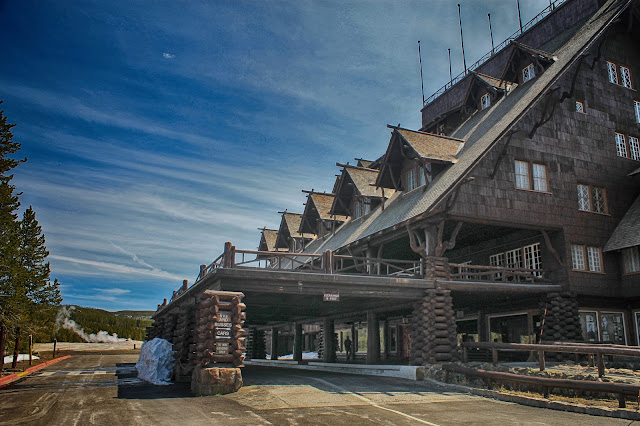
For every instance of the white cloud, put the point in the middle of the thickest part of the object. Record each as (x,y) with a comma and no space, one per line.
(117,269)
(112,291)
(168,55)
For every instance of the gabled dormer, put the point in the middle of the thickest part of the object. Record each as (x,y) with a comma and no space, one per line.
(288,237)
(413,159)
(355,192)
(524,63)
(316,218)
(268,239)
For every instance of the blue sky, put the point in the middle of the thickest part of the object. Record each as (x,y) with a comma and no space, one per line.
(158,130)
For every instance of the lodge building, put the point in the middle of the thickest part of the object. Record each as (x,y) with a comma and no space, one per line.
(511,215)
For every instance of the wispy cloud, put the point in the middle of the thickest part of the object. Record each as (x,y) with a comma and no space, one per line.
(168,55)
(116,268)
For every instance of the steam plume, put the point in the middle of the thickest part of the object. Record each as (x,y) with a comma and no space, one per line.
(63,320)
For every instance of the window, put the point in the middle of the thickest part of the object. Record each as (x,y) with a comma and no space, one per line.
(586,258)
(592,199)
(410,180)
(485,101)
(361,207)
(416,178)
(631,260)
(625,76)
(528,257)
(528,73)
(357,209)
(619,75)
(634,147)
(532,176)
(621,145)
(580,106)
(636,107)
(612,71)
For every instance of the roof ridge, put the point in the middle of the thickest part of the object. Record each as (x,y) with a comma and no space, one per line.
(426,133)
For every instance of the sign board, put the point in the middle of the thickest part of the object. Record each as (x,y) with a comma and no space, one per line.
(222,348)
(331,297)
(224,316)
(223,333)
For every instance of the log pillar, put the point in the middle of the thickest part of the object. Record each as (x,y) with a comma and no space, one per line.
(297,342)
(373,338)
(386,352)
(437,268)
(433,330)
(329,350)
(354,343)
(562,320)
(274,343)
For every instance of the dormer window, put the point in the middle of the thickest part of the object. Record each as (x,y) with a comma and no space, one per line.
(361,207)
(485,101)
(415,177)
(528,73)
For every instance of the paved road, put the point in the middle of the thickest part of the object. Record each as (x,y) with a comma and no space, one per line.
(103,389)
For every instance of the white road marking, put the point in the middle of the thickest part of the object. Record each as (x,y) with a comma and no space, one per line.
(373,404)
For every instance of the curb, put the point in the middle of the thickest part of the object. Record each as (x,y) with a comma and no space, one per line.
(619,413)
(4,381)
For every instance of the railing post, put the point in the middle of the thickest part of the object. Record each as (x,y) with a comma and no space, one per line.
(494,355)
(233,257)
(328,262)
(226,258)
(465,353)
(541,360)
(600,364)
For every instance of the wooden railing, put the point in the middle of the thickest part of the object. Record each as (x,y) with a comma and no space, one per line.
(375,266)
(467,272)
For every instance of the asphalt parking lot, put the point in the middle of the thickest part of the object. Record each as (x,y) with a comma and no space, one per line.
(102,389)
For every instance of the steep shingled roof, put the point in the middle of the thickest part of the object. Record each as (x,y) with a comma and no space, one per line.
(430,146)
(268,239)
(627,233)
(323,204)
(364,180)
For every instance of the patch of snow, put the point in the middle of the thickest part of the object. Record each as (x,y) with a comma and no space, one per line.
(21,357)
(305,355)
(155,364)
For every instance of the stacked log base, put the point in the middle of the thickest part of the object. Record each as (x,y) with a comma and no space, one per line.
(182,343)
(219,329)
(562,321)
(321,343)
(437,268)
(433,330)
(215,381)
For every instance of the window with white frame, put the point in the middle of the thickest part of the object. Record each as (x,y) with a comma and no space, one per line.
(527,257)
(625,77)
(528,73)
(532,176)
(586,258)
(410,182)
(636,108)
(357,209)
(612,71)
(592,199)
(417,176)
(631,259)
(485,101)
(580,106)
(621,145)
(634,147)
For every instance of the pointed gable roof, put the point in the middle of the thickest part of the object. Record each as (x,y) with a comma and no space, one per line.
(353,181)
(317,208)
(627,233)
(289,226)
(519,50)
(411,144)
(268,240)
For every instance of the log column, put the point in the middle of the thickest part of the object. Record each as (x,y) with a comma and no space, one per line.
(373,338)
(274,343)
(433,331)
(329,349)
(297,342)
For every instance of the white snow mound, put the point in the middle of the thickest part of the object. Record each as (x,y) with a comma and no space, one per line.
(21,357)
(155,364)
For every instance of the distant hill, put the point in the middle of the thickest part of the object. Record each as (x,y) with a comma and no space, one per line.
(126,324)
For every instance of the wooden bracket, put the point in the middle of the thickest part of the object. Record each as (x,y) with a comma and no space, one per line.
(550,247)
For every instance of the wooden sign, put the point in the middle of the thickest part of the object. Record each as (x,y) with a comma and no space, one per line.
(222,348)
(331,297)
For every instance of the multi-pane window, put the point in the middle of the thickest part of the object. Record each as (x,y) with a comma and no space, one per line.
(631,259)
(580,106)
(361,207)
(619,75)
(415,177)
(528,73)
(636,108)
(485,101)
(625,76)
(634,147)
(528,257)
(592,198)
(586,258)
(531,176)
(621,145)
(410,180)
(612,71)
(357,209)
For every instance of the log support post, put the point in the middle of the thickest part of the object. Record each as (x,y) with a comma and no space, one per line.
(274,343)
(354,338)
(433,332)
(297,342)
(329,340)
(386,339)
(373,338)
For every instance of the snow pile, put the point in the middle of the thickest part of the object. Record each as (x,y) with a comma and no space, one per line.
(305,355)
(21,357)
(155,364)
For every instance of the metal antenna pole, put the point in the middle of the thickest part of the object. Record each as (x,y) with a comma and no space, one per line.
(519,17)
(450,74)
(421,79)
(464,61)
(491,32)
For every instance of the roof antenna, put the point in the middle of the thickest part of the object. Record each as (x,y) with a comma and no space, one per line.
(421,79)
(491,32)
(464,61)
(450,74)
(519,17)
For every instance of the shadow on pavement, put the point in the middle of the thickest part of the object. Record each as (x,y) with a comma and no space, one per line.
(130,387)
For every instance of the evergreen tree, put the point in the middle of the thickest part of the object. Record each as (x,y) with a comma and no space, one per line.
(28,297)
